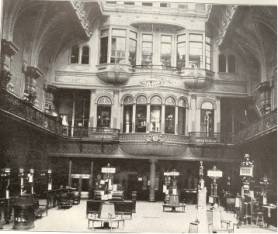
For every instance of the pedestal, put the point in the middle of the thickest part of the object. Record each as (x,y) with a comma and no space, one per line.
(202,198)
(202,220)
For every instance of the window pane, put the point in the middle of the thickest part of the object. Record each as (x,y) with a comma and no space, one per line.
(195,54)
(141,113)
(155,118)
(132,52)
(147,37)
(166,39)
(133,35)
(85,55)
(74,54)
(169,119)
(181,55)
(181,38)
(195,37)
(127,119)
(231,64)
(119,32)
(165,57)
(147,51)
(181,120)
(222,63)
(103,116)
(103,49)
(118,49)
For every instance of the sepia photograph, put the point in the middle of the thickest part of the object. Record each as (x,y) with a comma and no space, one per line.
(138,116)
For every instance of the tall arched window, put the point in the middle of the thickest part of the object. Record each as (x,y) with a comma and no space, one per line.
(74,54)
(222,63)
(181,116)
(155,114)
(104,112)
(141,114)
(127,118)
(85,55)
(207,119)
(170,115)
(231,64)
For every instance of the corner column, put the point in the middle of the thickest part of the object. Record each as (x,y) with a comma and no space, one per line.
(152,179)
(176,119)
(69,175)
(133,117)
(163,119)
(148,125)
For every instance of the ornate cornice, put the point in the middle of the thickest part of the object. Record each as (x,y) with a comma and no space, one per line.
(81,14)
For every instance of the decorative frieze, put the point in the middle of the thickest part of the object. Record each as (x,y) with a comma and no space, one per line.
(8,50)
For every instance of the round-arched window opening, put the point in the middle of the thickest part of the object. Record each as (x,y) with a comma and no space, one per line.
(207,119)
(104,112)
(155,114)
(127,114)
(170,104)
(182,104)
(141,114)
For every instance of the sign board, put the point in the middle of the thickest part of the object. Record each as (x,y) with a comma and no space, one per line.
(215,173)
(108,170)
(82,176)
(246,171)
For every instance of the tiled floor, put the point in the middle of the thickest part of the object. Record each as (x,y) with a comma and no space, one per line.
(149,217)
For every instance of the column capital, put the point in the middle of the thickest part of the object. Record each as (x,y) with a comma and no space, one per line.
(153,160)
(8,48)
(33,72)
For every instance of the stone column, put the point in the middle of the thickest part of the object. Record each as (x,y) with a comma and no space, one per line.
(176,119)
(133,117)
(163,118)
(152,179)
(217,116)
(69,175)
(93,110)
(1,21)
(148,124)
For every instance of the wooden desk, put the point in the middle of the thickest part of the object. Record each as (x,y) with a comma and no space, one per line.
(174,207)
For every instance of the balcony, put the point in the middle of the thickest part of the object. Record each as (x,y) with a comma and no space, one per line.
(92,134)
(153,144)
(114,73)
(205,138)
(22,110)
(195,78)
(262,127)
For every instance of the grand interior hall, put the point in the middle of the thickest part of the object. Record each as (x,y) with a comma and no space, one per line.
(138,116)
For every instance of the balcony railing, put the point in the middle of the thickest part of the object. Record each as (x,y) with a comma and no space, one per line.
(13,105)
(265,125)
(205,137)
(156,68)
(90,133)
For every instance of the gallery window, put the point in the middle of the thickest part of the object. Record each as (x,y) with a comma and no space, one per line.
(208,53)
(118,46)
(132,48)
(155,114)
(104,112)
(170,105)
(85,55)
(74,54)
(207,119)
(147,49)
(195,50)
(141,114)
(103,46)
(227,63)
(127,118)
(181,50)
(166,50)
(181,116)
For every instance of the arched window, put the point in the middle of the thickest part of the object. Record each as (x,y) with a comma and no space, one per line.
(222,63)
(181,116)
(85,55)
(141,114)
(170,115)
(104,112)
(207,119)
(155,114)
(127,118)
(74,54)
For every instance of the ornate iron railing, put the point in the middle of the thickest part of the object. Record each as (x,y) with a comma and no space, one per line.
(98,134)
(25,111)
(265,125)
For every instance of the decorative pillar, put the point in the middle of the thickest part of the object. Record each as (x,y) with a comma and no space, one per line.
(69,175)
(163,119)
(192,115)
(93,110)
(176,119)
(21,179)
(8,49)
(133,117)
(73,115)
(148,125)
(152,180)
(91,179)
(31,76)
